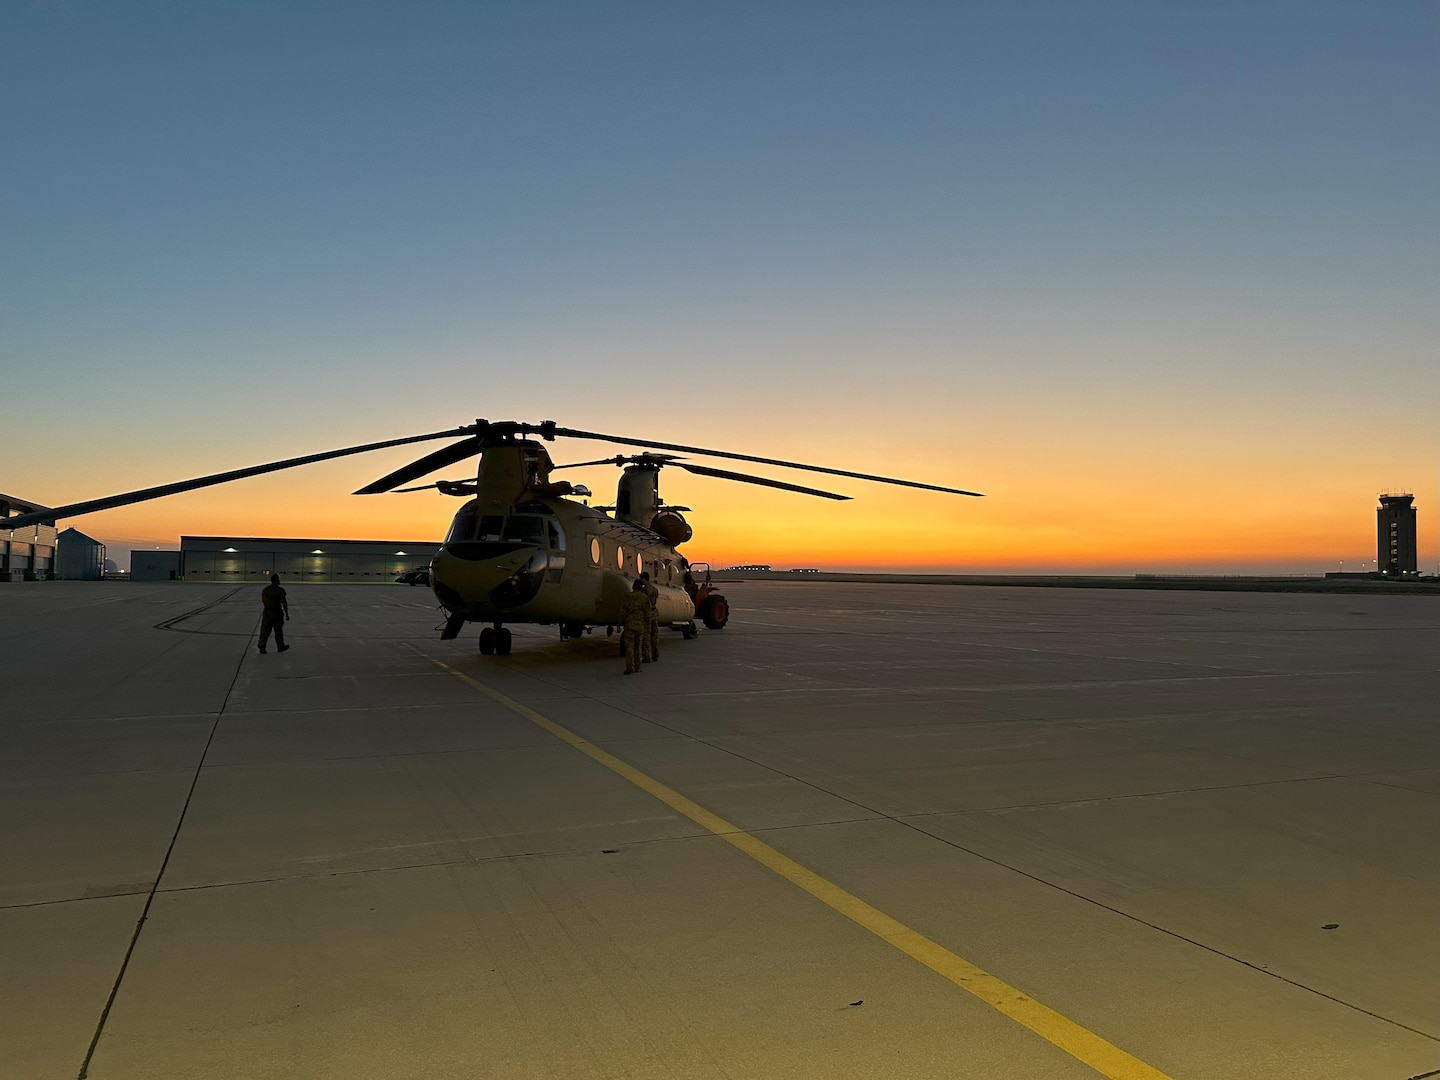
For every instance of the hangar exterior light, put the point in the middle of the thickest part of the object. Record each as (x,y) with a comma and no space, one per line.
(399,553)
(231,549)
(317,551)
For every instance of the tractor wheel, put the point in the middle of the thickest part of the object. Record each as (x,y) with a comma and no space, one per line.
(716,612)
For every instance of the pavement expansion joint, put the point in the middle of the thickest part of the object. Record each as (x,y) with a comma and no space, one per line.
(1131,916)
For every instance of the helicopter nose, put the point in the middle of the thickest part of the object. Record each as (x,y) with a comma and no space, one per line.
(488,575)
(522,582)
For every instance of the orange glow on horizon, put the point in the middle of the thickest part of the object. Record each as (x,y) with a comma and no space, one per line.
(1128,500)
(889,531)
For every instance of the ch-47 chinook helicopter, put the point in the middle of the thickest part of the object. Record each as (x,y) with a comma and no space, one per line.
(521,549)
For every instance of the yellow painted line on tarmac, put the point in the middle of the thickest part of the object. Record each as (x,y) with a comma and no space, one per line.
(1080,1043)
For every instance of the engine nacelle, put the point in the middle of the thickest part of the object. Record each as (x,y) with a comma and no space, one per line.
(672,527)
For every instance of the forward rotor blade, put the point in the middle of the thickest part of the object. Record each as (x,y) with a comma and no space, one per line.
(446,455)
(572,433)
(440,484)
(746,478)
(145,494)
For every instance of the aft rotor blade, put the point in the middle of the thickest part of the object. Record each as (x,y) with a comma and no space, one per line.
(618,459)
(446,455)
(746,478)
(762,460)
(145,494)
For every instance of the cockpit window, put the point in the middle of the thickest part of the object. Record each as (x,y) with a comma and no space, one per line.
(461,527)
(468,525)
(525,529)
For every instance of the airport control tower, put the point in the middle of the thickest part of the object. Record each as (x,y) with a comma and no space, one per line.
(1395,534)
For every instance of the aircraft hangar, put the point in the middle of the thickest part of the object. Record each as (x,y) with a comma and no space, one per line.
(255,558)
(26,554)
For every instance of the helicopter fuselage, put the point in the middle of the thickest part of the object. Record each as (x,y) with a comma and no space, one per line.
(551,560)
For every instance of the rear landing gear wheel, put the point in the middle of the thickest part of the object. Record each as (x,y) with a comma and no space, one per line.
(487,641)
(502,641)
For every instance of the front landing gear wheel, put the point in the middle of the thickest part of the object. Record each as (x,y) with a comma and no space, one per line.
(487,641)
(502,641)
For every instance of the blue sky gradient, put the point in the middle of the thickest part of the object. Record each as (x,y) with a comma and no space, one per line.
(1043,242)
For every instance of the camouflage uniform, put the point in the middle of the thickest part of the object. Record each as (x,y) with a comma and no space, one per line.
(651,640)
(632,616)
(276,608)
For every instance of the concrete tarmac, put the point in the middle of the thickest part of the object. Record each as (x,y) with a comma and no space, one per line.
(1198,829)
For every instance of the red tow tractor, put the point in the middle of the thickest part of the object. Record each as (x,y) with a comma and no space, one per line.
(711,607)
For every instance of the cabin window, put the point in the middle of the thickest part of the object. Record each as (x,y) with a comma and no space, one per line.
(595,550)
(620,556)
(555,535)
(639,565)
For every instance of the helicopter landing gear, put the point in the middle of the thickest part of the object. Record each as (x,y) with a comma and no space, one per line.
(571,630)
(495,639)
(688,630)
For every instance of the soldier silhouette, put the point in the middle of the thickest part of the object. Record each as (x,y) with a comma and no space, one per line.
(652,621)
(277,610)
(632,614)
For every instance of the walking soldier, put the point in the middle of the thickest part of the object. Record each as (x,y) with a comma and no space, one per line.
(277,610)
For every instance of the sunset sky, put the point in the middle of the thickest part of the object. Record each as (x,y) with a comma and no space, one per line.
(1159,279)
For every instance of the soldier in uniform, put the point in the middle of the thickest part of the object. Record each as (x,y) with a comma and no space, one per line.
(632,614)
(277,610)
(652,620)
